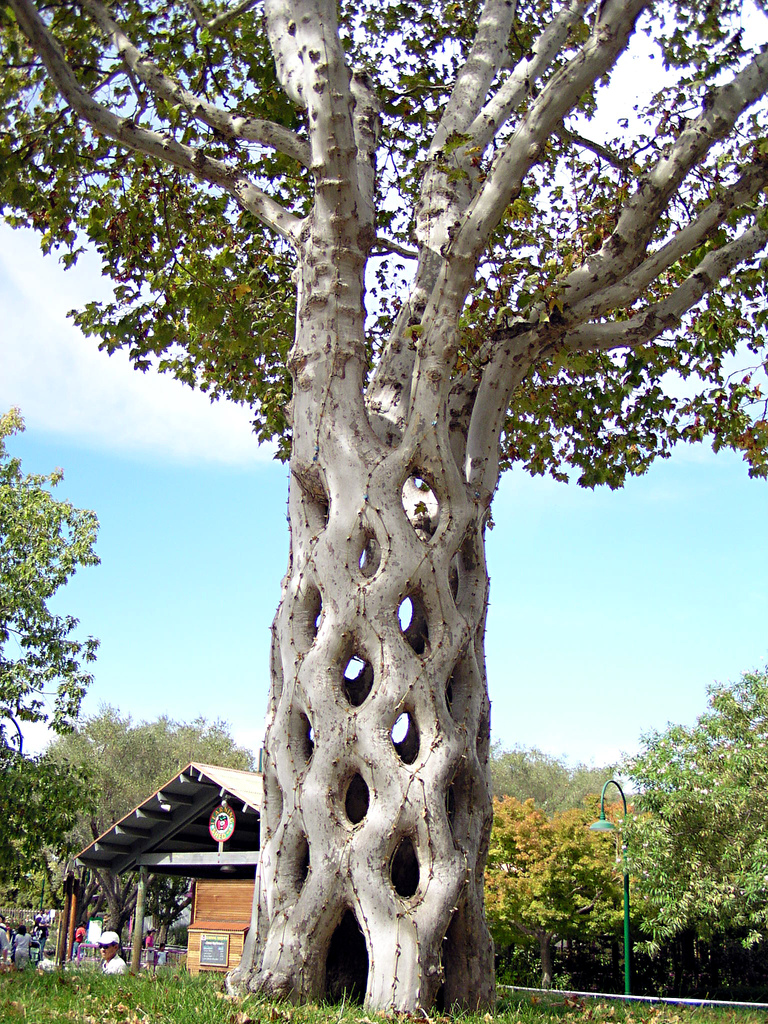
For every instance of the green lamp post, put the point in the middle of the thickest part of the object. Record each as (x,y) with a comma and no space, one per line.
(603,825)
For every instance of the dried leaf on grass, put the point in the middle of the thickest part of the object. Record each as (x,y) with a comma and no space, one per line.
(279,1014)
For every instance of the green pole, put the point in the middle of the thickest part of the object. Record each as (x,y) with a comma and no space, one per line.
(601,826)
(627,947)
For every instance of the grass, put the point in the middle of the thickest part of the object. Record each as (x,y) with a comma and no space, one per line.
(168,998)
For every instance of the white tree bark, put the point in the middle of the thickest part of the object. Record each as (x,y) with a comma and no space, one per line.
(374,843)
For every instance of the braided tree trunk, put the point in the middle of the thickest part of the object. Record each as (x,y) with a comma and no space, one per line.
(377,806)
(377,799)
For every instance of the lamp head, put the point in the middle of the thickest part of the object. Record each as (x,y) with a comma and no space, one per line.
(602,825)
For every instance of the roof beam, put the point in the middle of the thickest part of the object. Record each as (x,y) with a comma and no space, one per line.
(172,823)
(152,815)
(175,798)
(132,830)
(199,860)
(102,844)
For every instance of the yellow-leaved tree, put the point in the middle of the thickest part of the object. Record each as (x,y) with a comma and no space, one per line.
(549,878)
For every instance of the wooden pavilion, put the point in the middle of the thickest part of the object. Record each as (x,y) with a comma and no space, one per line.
(169,834)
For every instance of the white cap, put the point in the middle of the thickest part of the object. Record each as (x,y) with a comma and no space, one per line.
(109,939)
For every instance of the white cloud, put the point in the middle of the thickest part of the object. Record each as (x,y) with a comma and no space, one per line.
(63,384)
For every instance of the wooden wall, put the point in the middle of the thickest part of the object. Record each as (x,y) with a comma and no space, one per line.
(223,900)
(223,907)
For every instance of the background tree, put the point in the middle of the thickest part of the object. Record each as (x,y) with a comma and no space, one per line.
(248,172)
(125,763)
(699,848)
(43,677)
(167,897)
(527,773)
(549,878)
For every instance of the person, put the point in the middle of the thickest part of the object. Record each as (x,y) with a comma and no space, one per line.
(21,943)
(112,962)
(5,942)
(79,940)
(149,939)
(40,932)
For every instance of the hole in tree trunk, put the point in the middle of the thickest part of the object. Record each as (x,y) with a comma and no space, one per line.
(405,738)
(346,968)
(306,618)
(370,556)
(453,580)
(468,553)
(483,744)
(421,505)
(413,623)
(302,737)
(356,800)
(303,861)
(358,680)
(315,503)
(404,870)
(457,690)
(450,805)
(458,803)
(453,969)
(272,811)
(294,865)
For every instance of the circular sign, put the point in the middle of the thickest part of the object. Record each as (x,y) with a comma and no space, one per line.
(222,822)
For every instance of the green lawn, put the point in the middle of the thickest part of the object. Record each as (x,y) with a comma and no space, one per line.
(89,998)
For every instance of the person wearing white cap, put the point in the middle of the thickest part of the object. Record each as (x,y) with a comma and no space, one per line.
(112,962)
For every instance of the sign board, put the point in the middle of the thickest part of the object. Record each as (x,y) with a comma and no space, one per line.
(221,824)
(95,928)
(214,950)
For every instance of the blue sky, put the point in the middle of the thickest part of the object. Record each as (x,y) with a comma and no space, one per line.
(610,611)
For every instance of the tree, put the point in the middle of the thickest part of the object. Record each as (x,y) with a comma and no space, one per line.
(125,762)
(549,878)
(43,541)
(166,898)
(530,774)
(698,849)
(253,173)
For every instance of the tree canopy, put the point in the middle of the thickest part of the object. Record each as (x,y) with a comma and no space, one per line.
(528,773)
(171,138)
(698,847)
(43,673)
(42,543)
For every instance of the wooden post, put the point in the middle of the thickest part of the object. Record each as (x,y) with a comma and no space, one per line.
(72,923)
(138,922)
(61,935)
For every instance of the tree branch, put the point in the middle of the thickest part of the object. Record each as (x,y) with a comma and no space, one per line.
(142,140)
(652,321)
(594,147)
(640,214)
(230,126)
(525,74)
(486,56)
(366,122)
(441,203)
(556,100)
(628,289)
(389,245)
(226,16)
